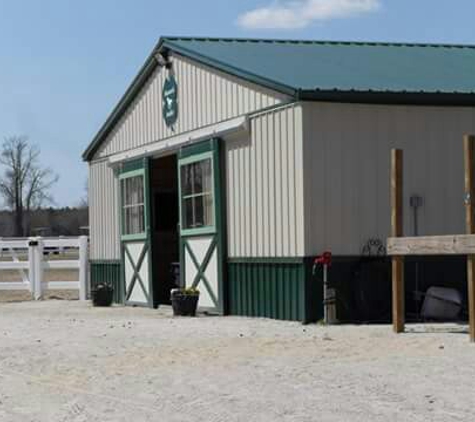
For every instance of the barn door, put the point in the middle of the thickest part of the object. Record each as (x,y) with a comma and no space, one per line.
(135,233)
(201,230)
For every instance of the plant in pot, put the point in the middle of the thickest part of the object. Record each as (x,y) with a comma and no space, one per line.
(102,294)
(185,301)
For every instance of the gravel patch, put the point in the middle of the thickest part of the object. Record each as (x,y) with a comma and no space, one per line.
(68,361)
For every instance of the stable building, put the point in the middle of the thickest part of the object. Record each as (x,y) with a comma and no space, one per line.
(243,159)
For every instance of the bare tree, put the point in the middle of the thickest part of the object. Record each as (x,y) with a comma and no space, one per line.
(84,201)
(25,184)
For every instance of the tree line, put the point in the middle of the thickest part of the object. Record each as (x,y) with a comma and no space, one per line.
(25,186)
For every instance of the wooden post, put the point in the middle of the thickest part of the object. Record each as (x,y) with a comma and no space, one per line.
(397,231)
(468,152)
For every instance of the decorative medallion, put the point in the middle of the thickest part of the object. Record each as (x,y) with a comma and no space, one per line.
(170,100)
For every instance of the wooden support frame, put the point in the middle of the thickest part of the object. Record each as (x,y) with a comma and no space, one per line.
(398,246)
(469,155)
(397,231)
(459,244)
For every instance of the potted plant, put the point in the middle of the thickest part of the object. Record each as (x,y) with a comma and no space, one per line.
(102,294)
(185,301)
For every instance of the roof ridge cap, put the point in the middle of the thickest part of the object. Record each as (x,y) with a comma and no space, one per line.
(317,42)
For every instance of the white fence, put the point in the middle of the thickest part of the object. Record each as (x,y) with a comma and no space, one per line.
(38,251)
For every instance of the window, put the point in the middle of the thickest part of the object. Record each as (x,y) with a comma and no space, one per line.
(197,204)
(133,205)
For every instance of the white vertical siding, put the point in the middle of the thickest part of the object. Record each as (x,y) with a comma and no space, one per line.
(264,186)
(205,96)
(347,158)
(103,212)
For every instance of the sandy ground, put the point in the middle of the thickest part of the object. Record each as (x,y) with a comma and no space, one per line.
(67,361)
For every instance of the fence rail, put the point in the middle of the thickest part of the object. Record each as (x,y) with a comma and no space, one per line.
(37,250)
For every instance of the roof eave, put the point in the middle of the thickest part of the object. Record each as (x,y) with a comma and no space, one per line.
(389,97)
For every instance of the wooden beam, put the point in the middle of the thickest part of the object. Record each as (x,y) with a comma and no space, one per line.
(397,231)
(469,155)
(461,244)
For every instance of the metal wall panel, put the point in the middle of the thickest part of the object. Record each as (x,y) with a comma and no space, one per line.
(103,212)
(108,271)
(205,96)
(347,158)
(264,186)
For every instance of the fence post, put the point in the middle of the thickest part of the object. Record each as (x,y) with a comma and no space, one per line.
(31,266)
(39,268)
(82,267)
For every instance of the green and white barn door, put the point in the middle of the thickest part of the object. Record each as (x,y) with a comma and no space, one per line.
(135,233)
(201,231)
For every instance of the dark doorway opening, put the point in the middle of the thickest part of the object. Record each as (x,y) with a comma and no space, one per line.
(164,225)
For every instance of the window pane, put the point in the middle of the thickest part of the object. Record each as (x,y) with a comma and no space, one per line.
(188,219)
(132,190)
(199,212)
(134,219)
(197,194)
(187,180)
(206,175)
(208,214)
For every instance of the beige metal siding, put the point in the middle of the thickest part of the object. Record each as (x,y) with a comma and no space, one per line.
(264,186)
(205,96)
(347,155)
(103,212)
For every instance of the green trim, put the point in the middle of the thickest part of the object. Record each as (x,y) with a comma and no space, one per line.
(140,167)
(266,260)
(279,288)
(220,222)
(197,152)
(389,98)
(189,159)
(131,173)
(134,88)
(136,267)
(134,237)
(197,149)
(104,261)
(148,229)
(134,169)
(201,268)
(132,165)
(108,271)
(194,154)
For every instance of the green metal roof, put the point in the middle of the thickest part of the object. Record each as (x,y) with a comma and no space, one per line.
(389,73)
(342,66)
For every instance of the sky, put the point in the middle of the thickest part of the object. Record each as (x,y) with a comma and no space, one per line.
(64,64)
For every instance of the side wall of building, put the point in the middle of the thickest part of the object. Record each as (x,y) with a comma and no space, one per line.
(264,186)
(347,171)
(103,212)
(267,273)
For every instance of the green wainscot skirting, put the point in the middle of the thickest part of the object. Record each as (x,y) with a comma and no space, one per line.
(108,271)
(279,288)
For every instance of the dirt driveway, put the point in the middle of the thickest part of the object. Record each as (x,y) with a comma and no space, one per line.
(67,361)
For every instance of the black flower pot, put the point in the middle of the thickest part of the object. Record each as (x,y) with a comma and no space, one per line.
(184,304)
(102,295)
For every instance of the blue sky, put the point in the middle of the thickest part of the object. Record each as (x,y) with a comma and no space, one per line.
(64,64)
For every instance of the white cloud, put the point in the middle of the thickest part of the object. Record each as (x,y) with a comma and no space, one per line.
(300,13)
